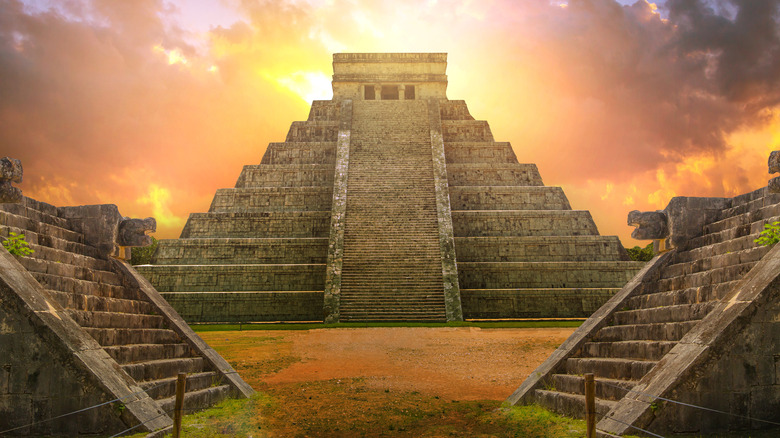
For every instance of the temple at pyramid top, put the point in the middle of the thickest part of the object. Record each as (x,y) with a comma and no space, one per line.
(389,203)
(389,76)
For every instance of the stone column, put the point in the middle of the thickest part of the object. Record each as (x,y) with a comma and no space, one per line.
(402,92)
(378,92)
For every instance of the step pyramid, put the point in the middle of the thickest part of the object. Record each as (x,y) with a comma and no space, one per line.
(700,324)
(79,328)
(390,203)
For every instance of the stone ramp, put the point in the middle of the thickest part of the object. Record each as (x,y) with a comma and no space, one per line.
(392,266)
(697,325)
(522,251)
(127,325)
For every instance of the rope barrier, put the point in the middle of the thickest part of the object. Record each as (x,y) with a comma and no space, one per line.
(84,410)
(632,426)
(654,397)
(140,424)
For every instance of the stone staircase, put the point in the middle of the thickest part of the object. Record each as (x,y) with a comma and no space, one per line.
(392,266)
(521,249)
(259,253)
(119,316)
(625,346)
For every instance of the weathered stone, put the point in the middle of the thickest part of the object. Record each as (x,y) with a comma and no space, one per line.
(135,232)
(774,162)
(650,224)
(10,171)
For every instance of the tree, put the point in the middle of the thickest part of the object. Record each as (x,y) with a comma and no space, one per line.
(143,255)
(638,254)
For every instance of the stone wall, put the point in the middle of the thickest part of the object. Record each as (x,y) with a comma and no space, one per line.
(533,303)
(271,224)
(478,174)
(286,175)
(523,223)
(272,199)
(206,307)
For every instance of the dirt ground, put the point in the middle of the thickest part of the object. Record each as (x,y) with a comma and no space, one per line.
(385,381)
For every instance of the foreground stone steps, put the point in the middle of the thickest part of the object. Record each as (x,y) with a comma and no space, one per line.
(161,368)
(199,399)
(27,225)
(572,405)
(651,350)
(606,389)
(166,387)
(539,248)
(131,353)
(705,278)
(207,250)
(609,367)
(663,331)
(67,270)
(682,297)
(674,313)
(97,319)
(37,211)
(85,287)
(41,241)
(100,304)
(125,336)
(685,265)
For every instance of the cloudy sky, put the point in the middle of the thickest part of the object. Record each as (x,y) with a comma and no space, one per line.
(154,104)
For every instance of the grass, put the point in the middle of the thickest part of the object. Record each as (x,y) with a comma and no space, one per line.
(313,326)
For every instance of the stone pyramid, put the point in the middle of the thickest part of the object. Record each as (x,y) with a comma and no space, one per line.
(700,324)
(390,203)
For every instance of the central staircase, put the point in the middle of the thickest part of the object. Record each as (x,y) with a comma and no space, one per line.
(392,266)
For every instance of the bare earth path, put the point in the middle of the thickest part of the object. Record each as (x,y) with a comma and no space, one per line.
(383,381)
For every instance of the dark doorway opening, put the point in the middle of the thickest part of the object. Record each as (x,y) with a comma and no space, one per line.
(409,92)
(369,93)
(389,92)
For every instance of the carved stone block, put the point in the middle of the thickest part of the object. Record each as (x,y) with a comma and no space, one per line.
(650,224)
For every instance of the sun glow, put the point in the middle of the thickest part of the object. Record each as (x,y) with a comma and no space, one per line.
(175,56)
(309,85)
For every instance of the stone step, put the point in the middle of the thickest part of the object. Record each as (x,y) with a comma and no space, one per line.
(751,201)
(164,388)
(266,199)
(687,296)
(523,223)
(39,241)
(750,255)
(95,303)
(705,278)
(454,110)
(241,251)
(479,152)
(198,400)
(670,331)
(610,368)
(116,320)
(606,389)
(503,275)
(510,174)
(231,278)
(127,354)
(300,153)
(31,209)
(25,224)
(322,110)
(84,287)
(649,350)
(508,198)
(286,175)
(272,224)
(465,130)
(678,313)
(539,248)
(75,257)
(713,238)
(125,336)
(399,317)
(305,131)
(730,246)
(162,368)
(570,405)
(760,213)
(71,271)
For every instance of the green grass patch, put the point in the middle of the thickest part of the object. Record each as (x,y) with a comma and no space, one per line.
(311,326)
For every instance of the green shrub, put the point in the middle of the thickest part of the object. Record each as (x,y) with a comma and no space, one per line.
(638,254)
(143,255)
(16,245)
(770,235)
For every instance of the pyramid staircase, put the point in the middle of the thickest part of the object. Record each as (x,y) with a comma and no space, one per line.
(392,266)
(521,249)
(695,326)
(141,335)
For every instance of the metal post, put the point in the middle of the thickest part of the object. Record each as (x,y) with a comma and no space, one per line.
(181,382)
(590,405)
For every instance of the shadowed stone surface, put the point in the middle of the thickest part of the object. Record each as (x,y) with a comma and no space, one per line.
(403,184)
(700,324)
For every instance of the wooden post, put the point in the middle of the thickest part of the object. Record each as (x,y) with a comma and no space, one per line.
(590,405)
(178,406)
